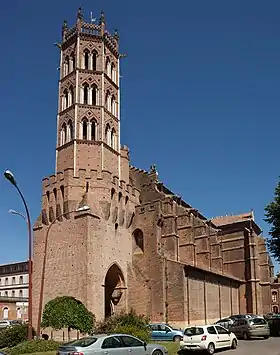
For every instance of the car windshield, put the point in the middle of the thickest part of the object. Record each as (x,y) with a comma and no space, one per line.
(83,342)
(193,331)
(171,326)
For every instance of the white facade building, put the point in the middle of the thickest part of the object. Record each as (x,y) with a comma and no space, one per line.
(14,291)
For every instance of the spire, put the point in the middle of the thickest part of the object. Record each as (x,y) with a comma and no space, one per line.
(116,35)
(102,18)
(80,14)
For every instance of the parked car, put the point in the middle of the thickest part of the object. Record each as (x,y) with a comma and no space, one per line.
(225,322)
(164,332)
(5,323)
(274,325)
(118,344)
(209,338)
(247,328)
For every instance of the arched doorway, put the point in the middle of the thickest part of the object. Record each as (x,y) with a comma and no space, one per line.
(275,309)
(114,288)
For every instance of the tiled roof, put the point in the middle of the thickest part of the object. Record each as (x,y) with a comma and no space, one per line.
(224,220)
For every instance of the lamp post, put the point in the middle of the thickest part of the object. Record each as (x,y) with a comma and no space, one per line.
(18,214)
(11,178)
(80,209)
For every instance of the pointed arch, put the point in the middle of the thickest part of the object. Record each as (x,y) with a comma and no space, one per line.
(94,60)
(108,134)
(72,62)
(114,287)
(94,94)
(113,105)
(70,135)
(86,59)
(93,129)
(108,67)
(71,96)
(84,128)
(66,65)
(63,134)
(107,101)
(65,99)
(138,241)
(113,138)
(85,93)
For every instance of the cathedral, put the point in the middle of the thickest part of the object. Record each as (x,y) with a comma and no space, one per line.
(115,236)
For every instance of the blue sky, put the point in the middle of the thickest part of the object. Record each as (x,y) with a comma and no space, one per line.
(200,99)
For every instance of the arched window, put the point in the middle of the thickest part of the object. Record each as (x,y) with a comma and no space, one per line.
(63,134)
(85,94)
(139,240)
(20,293)
(113,72)
(5,313)
(274,296)
(70,135)
(275,309)
(86,59)
(112,193)
(108,69)
(85,129)
(21,277)
(71,96)
(108,135)
(94,94)
(94,60)
(18,313)
(72,62)
(113,138)
(113,105)
(93,130)
(107,100)
(66,67)
(65,99)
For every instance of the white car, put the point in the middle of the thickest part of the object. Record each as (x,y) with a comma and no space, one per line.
(207,337)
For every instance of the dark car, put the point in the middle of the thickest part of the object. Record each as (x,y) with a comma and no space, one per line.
(274,326)
(225,322)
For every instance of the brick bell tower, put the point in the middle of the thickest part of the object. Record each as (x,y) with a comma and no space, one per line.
(88,129)
(86,254)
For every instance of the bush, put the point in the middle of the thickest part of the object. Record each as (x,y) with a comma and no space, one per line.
(12,336)
(128,323)
(34,346)
(67,312)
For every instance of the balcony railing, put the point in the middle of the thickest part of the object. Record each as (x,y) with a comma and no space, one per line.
(13,299)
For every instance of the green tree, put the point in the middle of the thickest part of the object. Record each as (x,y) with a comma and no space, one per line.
(67,312)
(272,216)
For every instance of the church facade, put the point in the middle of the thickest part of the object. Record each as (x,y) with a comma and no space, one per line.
(114,236)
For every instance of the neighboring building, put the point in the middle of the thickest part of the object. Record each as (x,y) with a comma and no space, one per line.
(14,291)
(140,245)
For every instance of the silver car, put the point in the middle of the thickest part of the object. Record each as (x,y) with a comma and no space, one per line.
(115,344)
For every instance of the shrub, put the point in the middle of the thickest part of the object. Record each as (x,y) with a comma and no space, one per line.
(34,346)
(128,323)
(12,336)
(67,312)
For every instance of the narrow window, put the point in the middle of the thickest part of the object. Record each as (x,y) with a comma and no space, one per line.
(6,281)
(55,194)
(70,131)
(108,71)
(66,66)
(66,99)
(13,293)
(62,192)
(86,60)
(94,60)
(6,313)
(93,130)
(85,94)
(85,124)
(94,95)
(113,72)
(13,280)
(21,280)
(274,296)
(63,134)
(113,138)
(20,293)
(107,135)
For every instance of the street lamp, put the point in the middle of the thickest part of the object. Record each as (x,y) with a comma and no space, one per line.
(11,178)
(80,209)
(18,214)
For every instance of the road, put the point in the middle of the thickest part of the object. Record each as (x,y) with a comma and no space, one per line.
(270,346)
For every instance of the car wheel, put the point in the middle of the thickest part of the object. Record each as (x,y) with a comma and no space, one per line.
(211,349)
(245,336)
(157,352)
(234,344)
(177,338)
(266,337)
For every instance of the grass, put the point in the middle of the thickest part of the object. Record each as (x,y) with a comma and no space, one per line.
(172,348)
